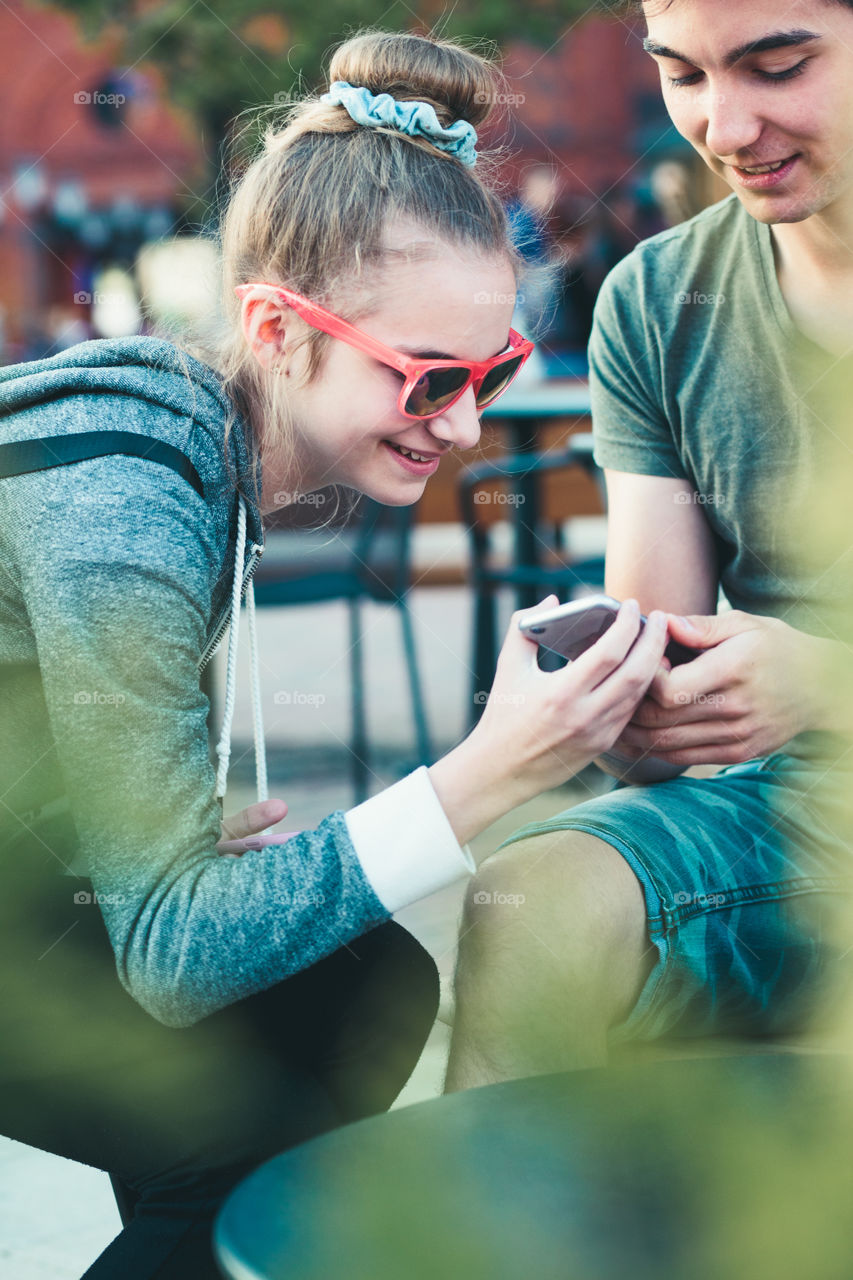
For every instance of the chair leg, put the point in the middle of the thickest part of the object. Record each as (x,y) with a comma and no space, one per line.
(359,718)
(485,647)
(422,734)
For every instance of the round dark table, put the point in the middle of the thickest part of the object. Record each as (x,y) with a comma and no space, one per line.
(718,1168)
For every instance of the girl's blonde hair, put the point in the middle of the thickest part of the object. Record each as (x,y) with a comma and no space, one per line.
(311,210)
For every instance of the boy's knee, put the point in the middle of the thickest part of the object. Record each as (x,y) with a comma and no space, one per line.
(568,875)
(561,914)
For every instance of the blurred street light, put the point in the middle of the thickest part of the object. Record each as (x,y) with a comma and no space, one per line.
(115,304)
(70,202)
(29,187)
(178,280)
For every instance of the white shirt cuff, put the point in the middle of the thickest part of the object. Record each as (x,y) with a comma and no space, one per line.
(405,843)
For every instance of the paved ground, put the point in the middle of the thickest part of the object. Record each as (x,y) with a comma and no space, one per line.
(56,1215)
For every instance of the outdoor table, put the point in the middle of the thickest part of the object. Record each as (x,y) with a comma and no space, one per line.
(524,411)
(667,1169)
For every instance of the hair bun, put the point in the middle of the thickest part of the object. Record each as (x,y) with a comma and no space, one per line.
(459,84)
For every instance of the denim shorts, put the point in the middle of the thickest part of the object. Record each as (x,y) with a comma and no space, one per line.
(747,877)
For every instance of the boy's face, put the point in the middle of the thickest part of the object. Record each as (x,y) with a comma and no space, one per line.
(755,83)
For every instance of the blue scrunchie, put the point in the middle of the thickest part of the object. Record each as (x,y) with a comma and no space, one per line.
(417,119)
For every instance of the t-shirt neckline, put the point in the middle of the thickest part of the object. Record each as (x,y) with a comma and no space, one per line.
(764,241)
(767,261)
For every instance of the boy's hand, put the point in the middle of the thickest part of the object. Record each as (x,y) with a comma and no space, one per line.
(756,683)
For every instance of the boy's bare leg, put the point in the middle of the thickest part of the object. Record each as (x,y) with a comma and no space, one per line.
(553,951)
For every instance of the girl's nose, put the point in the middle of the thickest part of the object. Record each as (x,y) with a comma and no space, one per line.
(459,425)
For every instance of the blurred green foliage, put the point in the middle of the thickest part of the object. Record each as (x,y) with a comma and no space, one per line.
(228,57)
(220,58)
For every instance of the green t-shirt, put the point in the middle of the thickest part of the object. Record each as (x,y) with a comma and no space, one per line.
(697,371)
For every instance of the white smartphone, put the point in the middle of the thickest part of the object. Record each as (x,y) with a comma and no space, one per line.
(570,629)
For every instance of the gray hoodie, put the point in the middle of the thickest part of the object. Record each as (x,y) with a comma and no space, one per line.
(115,578)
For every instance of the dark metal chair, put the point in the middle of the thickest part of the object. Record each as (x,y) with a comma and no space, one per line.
(366,559)
(540,563)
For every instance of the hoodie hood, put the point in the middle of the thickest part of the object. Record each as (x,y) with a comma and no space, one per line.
(158,376)
(162,391)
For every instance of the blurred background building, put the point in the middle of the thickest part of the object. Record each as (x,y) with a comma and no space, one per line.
(111,136)
(94,164)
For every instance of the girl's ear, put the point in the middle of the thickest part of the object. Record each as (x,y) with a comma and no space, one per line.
(265,330)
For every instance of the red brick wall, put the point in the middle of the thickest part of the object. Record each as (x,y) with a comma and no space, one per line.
(152,156)
(580,101)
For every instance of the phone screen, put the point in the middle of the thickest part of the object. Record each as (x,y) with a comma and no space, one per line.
(571,629)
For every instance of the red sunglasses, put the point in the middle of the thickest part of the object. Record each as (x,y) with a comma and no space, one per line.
(430,386)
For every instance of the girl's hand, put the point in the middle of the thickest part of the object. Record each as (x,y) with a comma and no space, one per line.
(539,728)
(237,831)
(556,723)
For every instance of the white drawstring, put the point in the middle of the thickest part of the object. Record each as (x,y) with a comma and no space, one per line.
(257,714)
(223,747)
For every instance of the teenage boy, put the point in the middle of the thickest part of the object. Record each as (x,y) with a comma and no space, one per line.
(721,375)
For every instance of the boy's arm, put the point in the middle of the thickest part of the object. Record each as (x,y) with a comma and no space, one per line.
(756,682)
(660,551)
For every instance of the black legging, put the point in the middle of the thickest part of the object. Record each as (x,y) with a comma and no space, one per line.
(177,1117)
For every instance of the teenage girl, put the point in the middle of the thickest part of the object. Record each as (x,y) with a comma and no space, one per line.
(171,1014)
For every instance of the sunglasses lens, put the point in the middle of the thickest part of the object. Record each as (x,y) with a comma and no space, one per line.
(497,380)
(435,390)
